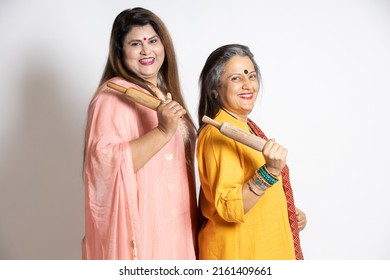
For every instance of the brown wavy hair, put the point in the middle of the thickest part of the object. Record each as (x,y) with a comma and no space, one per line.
(168,76)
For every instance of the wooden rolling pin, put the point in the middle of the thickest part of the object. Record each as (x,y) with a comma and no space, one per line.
(137,96)
(237,134)
(225,128)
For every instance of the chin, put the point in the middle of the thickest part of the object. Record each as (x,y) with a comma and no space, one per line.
(248,109)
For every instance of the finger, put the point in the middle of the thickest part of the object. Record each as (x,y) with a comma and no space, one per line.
(169,97)
(285,153)
(268,146)
(179,111)
(299,213)
(273,151)
(174,105)
(302,225)
(278,152)
(175,110)
(277,148)
(162,104)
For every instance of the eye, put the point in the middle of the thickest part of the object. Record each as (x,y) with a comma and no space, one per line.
(153,41)
(236,78)
(134,43)
(253,76)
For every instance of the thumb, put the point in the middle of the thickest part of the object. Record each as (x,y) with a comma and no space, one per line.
(169,97)
(272,140)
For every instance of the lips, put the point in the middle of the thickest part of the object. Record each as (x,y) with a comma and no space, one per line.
(147,61)
(246,96)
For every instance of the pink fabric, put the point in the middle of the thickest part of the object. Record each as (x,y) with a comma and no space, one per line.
(150,214)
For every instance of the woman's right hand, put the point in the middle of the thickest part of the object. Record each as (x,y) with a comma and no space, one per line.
(168,113)
(275,157)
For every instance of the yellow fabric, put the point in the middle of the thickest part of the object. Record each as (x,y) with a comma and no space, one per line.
(227,234)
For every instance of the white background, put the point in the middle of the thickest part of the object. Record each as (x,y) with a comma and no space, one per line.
(325,67)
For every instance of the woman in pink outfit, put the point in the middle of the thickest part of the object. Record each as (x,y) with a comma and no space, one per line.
(140,197)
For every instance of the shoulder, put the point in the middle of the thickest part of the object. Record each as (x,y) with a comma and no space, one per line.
(122,82)
(105,87)
(110,100)
(211,139)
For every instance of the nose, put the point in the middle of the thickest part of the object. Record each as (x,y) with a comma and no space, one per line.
(246,84)
(145,49)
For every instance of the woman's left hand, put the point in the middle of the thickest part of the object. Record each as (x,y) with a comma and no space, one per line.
(301,218)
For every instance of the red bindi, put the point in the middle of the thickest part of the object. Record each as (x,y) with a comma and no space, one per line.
(144,38)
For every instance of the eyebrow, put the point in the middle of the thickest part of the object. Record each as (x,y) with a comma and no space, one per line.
(141,40)
(238,73)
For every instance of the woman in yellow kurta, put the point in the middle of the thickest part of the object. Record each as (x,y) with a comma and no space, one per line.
(242,196)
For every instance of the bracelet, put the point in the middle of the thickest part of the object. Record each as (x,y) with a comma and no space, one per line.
(269,173)
(263,173)
(252,190)
(260,185)
(266,176)
(261,181)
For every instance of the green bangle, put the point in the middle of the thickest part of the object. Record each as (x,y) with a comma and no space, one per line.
(271,180)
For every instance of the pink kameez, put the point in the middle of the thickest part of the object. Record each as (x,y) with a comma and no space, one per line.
(150,214)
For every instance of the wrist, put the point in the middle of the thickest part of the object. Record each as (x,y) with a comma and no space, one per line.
(264,175)
(161,132)
(274,172)
(254,188)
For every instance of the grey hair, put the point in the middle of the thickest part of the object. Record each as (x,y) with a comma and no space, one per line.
(210,77)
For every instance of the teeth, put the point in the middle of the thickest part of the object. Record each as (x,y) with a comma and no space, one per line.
(246,95)
(146,60)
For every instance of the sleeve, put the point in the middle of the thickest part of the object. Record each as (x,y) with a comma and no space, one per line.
(111,196)
(222,174)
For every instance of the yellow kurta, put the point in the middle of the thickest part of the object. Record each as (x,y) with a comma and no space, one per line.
(227,234)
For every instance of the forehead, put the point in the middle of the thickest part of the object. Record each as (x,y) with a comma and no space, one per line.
(238,64)
(139,32)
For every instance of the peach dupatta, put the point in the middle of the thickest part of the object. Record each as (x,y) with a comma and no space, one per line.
(150,214)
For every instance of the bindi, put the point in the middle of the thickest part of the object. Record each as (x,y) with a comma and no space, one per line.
(245,71)
(144,38)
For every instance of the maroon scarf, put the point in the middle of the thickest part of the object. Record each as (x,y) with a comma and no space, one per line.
(289,197)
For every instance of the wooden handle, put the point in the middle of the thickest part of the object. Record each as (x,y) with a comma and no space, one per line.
(237,134)
(208,120)
(137,96)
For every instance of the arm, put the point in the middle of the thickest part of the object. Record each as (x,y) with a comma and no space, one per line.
(221,175)
(275,158)
(145,147)
(222,172)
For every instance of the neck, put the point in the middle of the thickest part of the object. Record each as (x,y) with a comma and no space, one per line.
(242,118)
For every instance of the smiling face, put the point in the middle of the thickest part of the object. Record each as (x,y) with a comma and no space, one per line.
(239,87)
(143,52)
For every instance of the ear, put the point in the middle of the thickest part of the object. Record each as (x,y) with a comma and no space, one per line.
(215,93)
